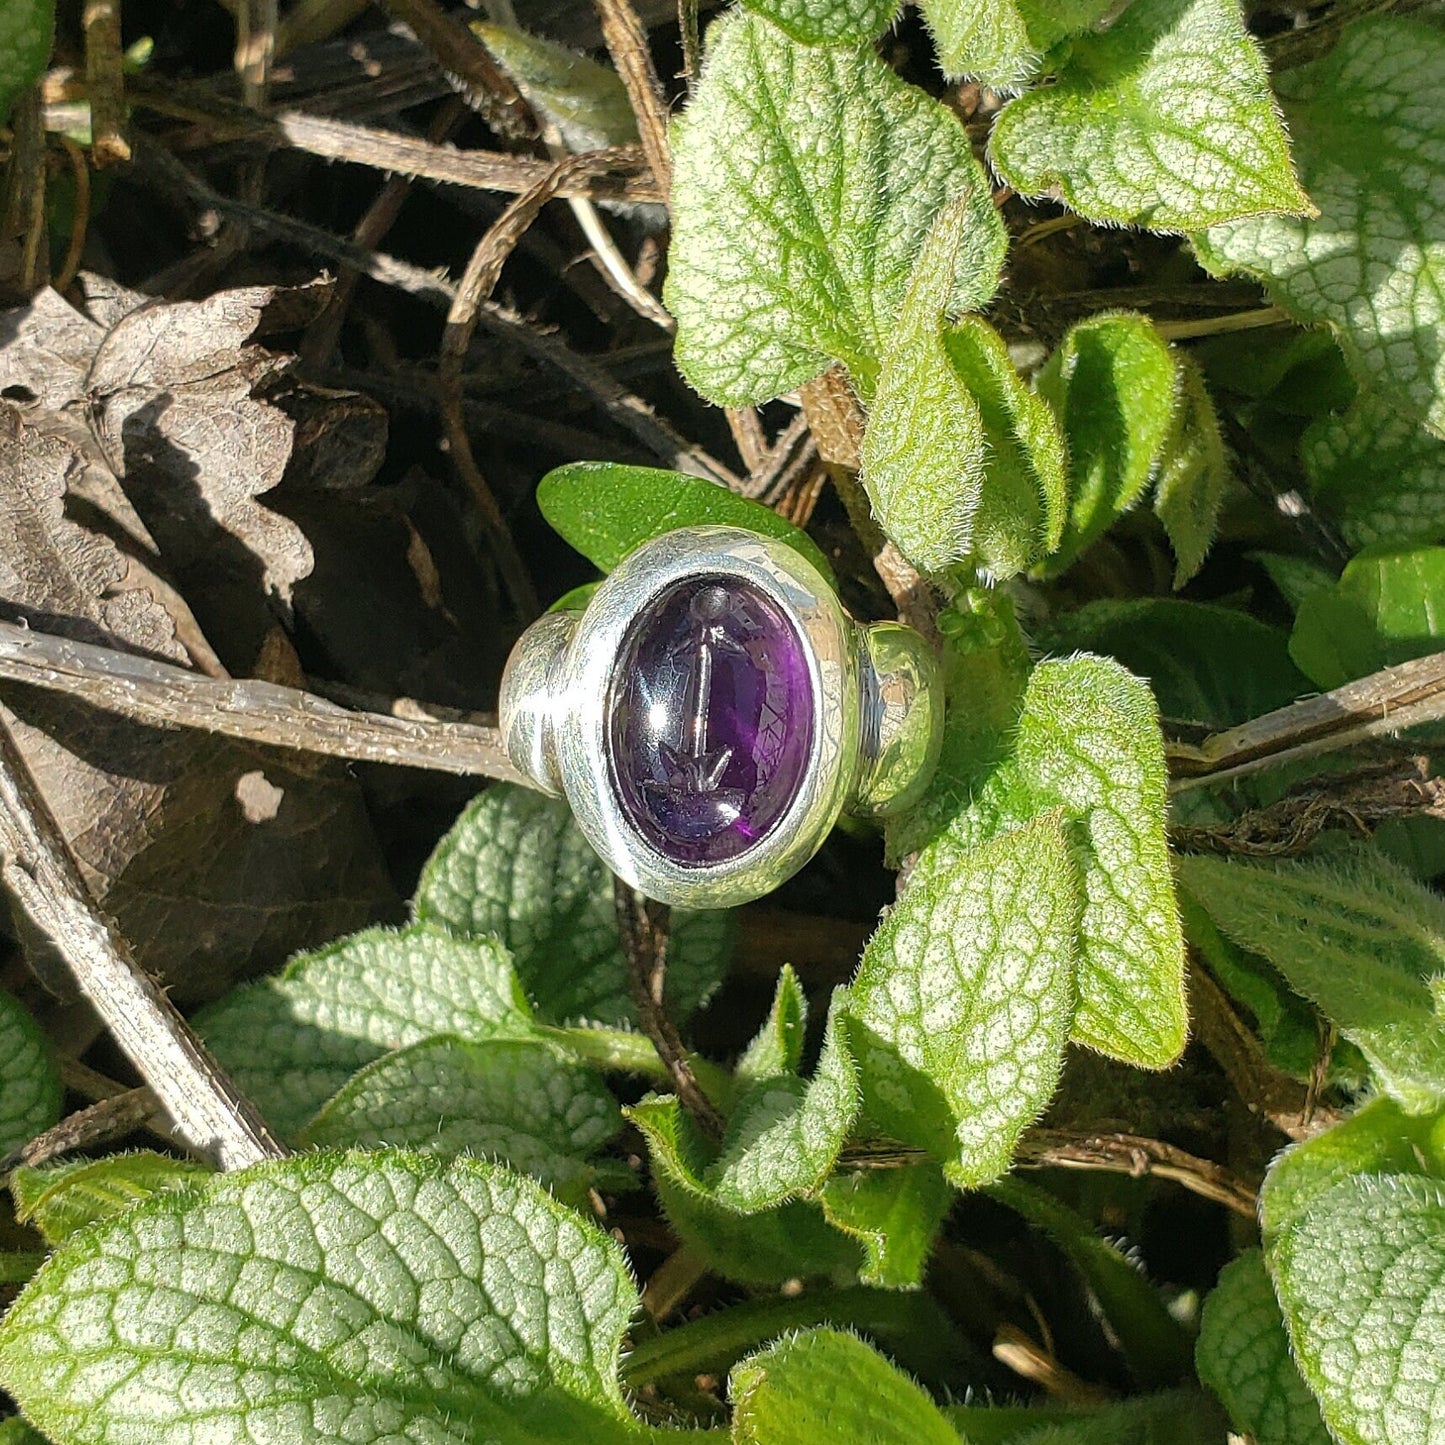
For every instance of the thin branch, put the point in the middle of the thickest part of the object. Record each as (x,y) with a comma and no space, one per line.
(627,45)
(104,82)
(691,42)
(642,925)
(1359,800)
(159,694)
(38,869)
(1386,702)
(96,1124)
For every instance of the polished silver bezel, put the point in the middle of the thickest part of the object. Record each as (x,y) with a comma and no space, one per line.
(581,722)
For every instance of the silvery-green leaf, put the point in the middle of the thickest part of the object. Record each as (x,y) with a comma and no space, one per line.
(804,181)
(1243,1356)
(1166,120)
(1378,475)
(1370,141)
(828,22)
(965,997)
(587,102)
(1002,42)
(517,867)
(292,1041)
(29,1083)
(371,1298)
(1361,1278)
(59,1199)
(1359,938)
(823,1387)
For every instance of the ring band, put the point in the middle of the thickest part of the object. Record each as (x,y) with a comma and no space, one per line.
(712,712)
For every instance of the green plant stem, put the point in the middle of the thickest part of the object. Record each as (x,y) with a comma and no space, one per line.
(624,1052)
(905,1322)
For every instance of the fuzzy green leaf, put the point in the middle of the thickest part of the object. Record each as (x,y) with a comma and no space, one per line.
(27,28)
(1379,1138)
(15,1431)
(1384,609)
(1156,1346)
(1372,265)
(1361,1277)
(1002,42)
(606,510)
(1380,476)
(895,1214)
(1359,938)
(1113,383)
(804,181)
(29,1082)
(1243,1356)
(292,1041)
(1193,474)
(372,1298)
(1174,1417)
(823,1387)
(960,459)
(764,1246)
(1165,120)
(585,101)
(777,1047)
(516,866)
(965,996)
(60,1199)
(828,22)
(522,1102)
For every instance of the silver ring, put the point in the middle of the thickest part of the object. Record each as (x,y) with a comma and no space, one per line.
(714,709)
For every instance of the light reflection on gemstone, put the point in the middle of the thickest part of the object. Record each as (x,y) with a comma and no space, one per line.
(711,719)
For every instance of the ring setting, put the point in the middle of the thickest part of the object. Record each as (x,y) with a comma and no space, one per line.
(714,709)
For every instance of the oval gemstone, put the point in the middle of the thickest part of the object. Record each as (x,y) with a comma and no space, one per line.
(711,719)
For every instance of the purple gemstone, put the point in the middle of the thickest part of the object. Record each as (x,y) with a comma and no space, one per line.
(711,719)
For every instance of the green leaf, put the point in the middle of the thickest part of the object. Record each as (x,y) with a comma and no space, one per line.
(960,459)
(1002,42)
(1113,383)
(606,510)
(587,102)
(965,996)
(777,1047)
(15,1431)
(1243,1356)
(804,182)
(895,1214)
(29,1084)
(828,22)
(1384,609)
(1193,475)
(1294,577)
(60,1199)
(516,866)
(823,1387)
(1165,120)
(292,1041)
(1378,475)
(1357,937)
(766,1246)
(1361,1277)
(1175,1417)
(1379,1138)
(372,1298)
(522,1102)
(1205,664)
(1155,1345)
(1372,265)
(27,28)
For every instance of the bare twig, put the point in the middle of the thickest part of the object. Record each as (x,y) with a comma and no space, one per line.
(469,65)
(691,42)
(747,429)
(161,695)
(642,926)
(104,82)
(1136,1156)
(23,221)
(96,1124)
(795,449)
(255,48)
(1360,799)
(627,44)
(1026,1357)
(1386,702)
(38,870)
(80,217)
